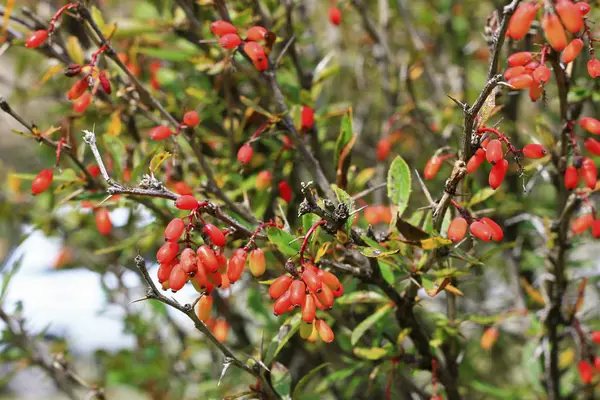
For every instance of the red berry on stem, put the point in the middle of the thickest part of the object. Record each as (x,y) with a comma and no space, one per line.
(188,261)
(105,83)
(432,167)
(521,81)
(78,89)
(569,15)
(497,174)
(191,118)
(230,41)
(325,332)
(586,372)
(255,51)
(307,117)
(572,50)
(216,236)
(208,258)
(592,125)
(593,68)
(593,146)
(457,229)
(204,308)
(221,28)
(520,58)
(476,160)
(325,296)
(236,264)
(595,336)
(297,293)
(285,191)
(312,280)
(160,132)
(521,20)
(280,286)
(257,263)
(481,231)
(256,33)
(221,330)
(309,309)
(182,188)
(36,39)
(541,75)
(174,229)
(42,181)
(514,72)
(178,278)
(244,154)
(186,202)
(535,92)
(494,151)
(571,177)
(534,151)
(583,7)
(554,32)
(261,64)
(589,173)
(164,271)
(335,15)
(82,103)
(582,223)
(596,231)
(282,304)
(329,279)
(497,233)
(103,222)
(167,252)
(263,180)
(383,148)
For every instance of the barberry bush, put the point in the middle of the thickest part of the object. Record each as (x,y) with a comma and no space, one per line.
(312,199)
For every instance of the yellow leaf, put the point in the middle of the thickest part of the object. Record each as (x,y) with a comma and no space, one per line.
(74,49)
(109,30)
(97,17)
(114,128)
(454,290)
(531,292)
(402,335)
(434,243)
(566,358)
(342,237)
(322,251)
(441,287)
(55,69)
(158,159)
(415,72)
(49,131)
(489,337)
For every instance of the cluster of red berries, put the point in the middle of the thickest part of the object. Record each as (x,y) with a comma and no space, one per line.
(229,39)
(587,371)
(484,228)
(583,166)
(584,222)
(310,290)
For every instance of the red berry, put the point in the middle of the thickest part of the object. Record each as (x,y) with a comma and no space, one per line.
(230,41)
(204,308)
(236,265)
(481,231)
(325,296)
(595,336)
(596,232)
(160,132)
(164,271)
(36,39)
(307,117)
(216,236)
(514,72)
(521,20)
(42,181)
(94,171)
(372,215)
(280,286)
(257,262)
(282,304)
(494,151)
(208,258)
(244,154)
(261,64)
(335,15)
(476,160)
(571,177)
(174,229)
(297,293)
(385,214)
(432,167)
(312,280)
(78,89)
(569,15)
(593,68)
(535,92)
(457,229)
(177,279)
(186,202)
(572,50)
(221,28)
(221,330)
(285,191)
(383,148)
(182,188)
(497,233)
(191,118)
(582,223)
(534,151)
(531,66)
(263,180)
(325,332)
(105,83)
(309,309)
(586,372)
(497,174)
(167,252)
(188,261)
(103,222)
(541,75)
(339,291)
(82,103)
(329,279)
(592,125)
(520,58)
(583,7)
(521,81)
(589,173)
(255,51)
(256,33)
(554,32)
(593,146)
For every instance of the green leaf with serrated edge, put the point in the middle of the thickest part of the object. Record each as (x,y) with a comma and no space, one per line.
(399,184)
(345,136)
(299,390)
(287,244)
(376,253)
(361,297)
(281,379)
(373,353)
(481,196)
(345,198)
(366,324)
(286,331)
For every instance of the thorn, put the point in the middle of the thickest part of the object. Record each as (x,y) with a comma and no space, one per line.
(138,300)
(226,365)
(458,102)
(358,210)
(508,85)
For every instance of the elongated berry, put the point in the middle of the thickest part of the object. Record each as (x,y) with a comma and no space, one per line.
(257,264)
(325,296)
(592,125)
(177,279)
(221,330)
(263,180)
(191,118)
(236,264)
(339,291)
(325,332)
(335,15)
(282,304)
(457,229)
(583,7)
(42,181)
(208,257)
(569,15)
(481,231)
(221,28)
(105,83)
(255,51)
(476,160)
(230,41)
(514,71)
(494,151)
(167,252)
(164,271)
(82,103)
(520,58)
(160,132)
(385,214)
(309,309)
(589,172)
(216,236)
(306,330)
(297,293)
(261,64)
(497,233)
(572,50)
(174,229)
(595,336)
(582,223)
(571,177)
(103,222)
(586,371)
(216,278)
(78,89)
(329,279)
(256,33)
(531,66)
(285,191)
(244,155)
(541,75)
(383,148)
(593,67)
(593,146)
(596,229)
(204,308)
(312,280)
(521,20)
(432,167)
(280,286)
(182,188)
(188,261)
(36,39)
(554,32)
(186,202)
(534,150)
(521,81)
(497,174)
(535,92)
(489,337)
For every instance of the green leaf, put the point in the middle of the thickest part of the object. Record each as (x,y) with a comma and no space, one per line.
(299,389)
(158,159)
(345,136)
(287,244)
(494,391)
(169,54)
(386,273)
(365,325)
(376,253)
(282,380)
(399,184)
(286,331)
(97,17)
(361,297)
(481,196)
(339,375)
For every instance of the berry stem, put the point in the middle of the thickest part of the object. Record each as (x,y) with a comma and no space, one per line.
(310,232)
(58,14)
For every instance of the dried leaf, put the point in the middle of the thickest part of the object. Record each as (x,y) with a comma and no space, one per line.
(158,159)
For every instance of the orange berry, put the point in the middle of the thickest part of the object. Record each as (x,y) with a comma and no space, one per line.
(103,222)
(457,229)
(325,332)
(204,308)
(554,32)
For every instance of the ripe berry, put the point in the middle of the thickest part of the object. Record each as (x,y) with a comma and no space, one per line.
(221,28)
(285,191)
(583,7)
(372,215)
(186,202)
(82,103)
(312,280)
(282,304)
(596,229)
(221,330)
(535,92)
(255,51)
(297,293)
(36,39)
(592,125)
(554,32)
(339,291)
(164,271)
(230,41)
(521,20)
(78,89)
(593,68)
(263,180)
(307,117)
(42,181)
(204,308)
(329,279)
(208,258)
(476,160)
(236,265)
(174,229)
(188,261)
(256,33)
(494,151)
(261,64)
(572,50)
(586,371)
(160,132)
(521,81)
(432,167)
(520,58)
(497,233)
(191,118)
(582,223)
(541,75)
(457,229)
(531,66)
(497,174)
(593,146)
(514,71)
(309,309)
(534,151)
(105,83)
(325,296)
(244,155)
(182,188)
(167,252)
(335,15)
(595,336)
(571,177)
(178,278)
(103,222)
(94,171)
(383,148)
(280,286)
(569,15)
(385,214)
(325,332)
(481,231)
(257,262)
(589,173)
(216,236)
